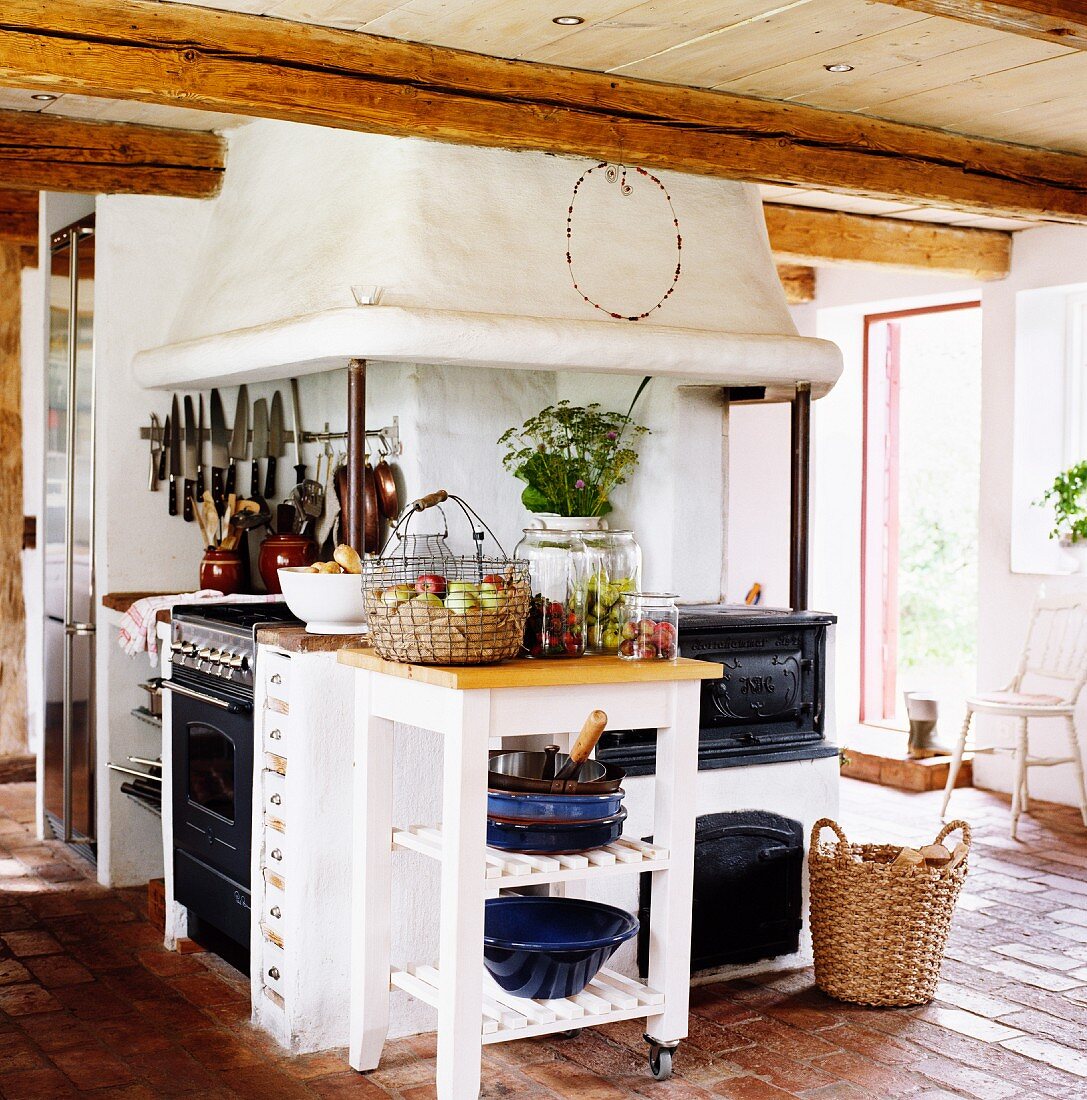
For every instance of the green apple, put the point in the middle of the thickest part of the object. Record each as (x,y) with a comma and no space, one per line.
(428,599)
(460,602)
(491,597)
(398,594)
(463,586)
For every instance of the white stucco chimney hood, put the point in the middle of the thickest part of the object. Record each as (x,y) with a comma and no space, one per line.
(464,253)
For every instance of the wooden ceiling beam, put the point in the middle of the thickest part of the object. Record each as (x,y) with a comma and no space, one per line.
(19,217)
(803,235)
(798,282)
(41,152)
(226,61)
(1063,22)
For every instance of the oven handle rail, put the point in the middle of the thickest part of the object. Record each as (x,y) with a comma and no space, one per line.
(200,697)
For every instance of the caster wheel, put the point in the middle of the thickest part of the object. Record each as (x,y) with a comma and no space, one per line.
(660,1062)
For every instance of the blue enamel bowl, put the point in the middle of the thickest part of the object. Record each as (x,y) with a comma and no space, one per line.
(553,807)
(554,837)
(546,948)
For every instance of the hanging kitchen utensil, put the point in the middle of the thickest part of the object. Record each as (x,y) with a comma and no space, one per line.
(585,743)
(174,446)
(156,454)
(327,523)
(260,443)
(534,772)
(275,444)
(239,439)
(164,450)
(388,498)
(192,459)
(220,450)
(200,486)
(371,519)
(299,465)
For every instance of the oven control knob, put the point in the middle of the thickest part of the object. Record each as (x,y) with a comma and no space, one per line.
(176,647)
(209,654)
(189,649)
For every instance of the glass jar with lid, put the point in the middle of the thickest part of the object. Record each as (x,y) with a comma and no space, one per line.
(557,563)
(614,568)
(649,626)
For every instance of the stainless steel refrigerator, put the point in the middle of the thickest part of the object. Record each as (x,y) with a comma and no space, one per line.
(69,541)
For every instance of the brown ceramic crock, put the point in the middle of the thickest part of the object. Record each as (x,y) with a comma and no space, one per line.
(222,570)
(281,552)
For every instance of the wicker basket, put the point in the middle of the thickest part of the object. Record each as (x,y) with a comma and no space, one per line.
(410,624)
(879,933)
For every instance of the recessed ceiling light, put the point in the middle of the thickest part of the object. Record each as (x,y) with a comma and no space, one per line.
(43,97)
(840,67)
(568,20)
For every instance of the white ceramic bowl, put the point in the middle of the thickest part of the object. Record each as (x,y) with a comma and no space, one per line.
(328,603)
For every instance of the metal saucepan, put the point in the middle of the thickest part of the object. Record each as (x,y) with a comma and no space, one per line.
(556,773)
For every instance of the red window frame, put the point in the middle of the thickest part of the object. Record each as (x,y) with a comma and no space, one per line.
(879,512)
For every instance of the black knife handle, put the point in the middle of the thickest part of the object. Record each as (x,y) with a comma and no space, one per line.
(162,465)
(254,478)
(171,504)
(200,486)
(217,486)
(270,479)
(186,504)
(231,478)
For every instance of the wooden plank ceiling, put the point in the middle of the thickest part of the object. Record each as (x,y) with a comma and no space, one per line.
(904,64)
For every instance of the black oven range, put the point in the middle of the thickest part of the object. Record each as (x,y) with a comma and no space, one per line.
(212,658)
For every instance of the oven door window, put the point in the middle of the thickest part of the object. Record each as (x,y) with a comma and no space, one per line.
(211,769)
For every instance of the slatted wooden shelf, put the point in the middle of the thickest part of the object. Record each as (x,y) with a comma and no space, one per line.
(505,869)
(607,998)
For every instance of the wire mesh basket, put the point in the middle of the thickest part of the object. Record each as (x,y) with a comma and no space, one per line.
(425,605)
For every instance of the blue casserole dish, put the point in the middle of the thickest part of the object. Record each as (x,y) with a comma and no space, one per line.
(553,807)
(548,948)
(555,837)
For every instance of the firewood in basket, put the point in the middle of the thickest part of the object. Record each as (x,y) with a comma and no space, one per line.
(908,857)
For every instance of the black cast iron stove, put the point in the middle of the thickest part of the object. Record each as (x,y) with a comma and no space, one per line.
(768,707)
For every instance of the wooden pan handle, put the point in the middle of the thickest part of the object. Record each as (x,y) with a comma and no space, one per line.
(590,734)
(430,500)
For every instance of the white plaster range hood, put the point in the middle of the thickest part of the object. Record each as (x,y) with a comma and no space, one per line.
(465,252)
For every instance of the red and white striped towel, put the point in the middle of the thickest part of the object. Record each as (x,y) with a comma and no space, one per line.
(138,626)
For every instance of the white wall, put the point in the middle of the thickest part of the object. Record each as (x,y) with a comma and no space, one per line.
(1049,257)
(1053,256)
(759,465)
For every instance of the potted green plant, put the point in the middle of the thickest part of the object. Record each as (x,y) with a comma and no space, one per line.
(1067,497)
(571,458)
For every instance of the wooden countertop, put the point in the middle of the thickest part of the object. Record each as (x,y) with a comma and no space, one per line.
(294,639)
(122,601)
(523,672)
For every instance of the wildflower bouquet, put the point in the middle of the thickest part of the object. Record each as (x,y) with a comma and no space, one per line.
(571,457)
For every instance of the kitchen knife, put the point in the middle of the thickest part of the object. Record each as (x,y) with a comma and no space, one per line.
(156,453)
(299,465)
(164,450)
(260,443)
(200,448)
(275,445)
(220,449)
(239,439)
(175,454)
(191,459)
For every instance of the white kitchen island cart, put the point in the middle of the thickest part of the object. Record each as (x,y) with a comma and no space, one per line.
(480,708)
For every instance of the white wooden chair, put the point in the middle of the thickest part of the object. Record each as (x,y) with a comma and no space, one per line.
(1055,653)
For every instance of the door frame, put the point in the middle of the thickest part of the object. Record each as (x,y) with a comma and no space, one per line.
(879,515)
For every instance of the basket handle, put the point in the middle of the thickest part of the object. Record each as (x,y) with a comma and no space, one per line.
(827,823)
(951,827)
(431,500)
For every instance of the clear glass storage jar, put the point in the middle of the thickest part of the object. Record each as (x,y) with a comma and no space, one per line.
(614,569)
(557,563)
(649,626)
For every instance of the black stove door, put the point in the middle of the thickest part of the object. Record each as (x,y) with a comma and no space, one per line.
(212,801)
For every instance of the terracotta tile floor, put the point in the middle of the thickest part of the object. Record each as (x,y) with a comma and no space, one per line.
(91,1004)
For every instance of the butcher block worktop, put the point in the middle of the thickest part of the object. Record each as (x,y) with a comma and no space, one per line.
(523,672)
(294,638)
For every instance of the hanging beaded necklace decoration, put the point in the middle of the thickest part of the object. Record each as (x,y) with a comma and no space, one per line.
(613,173)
